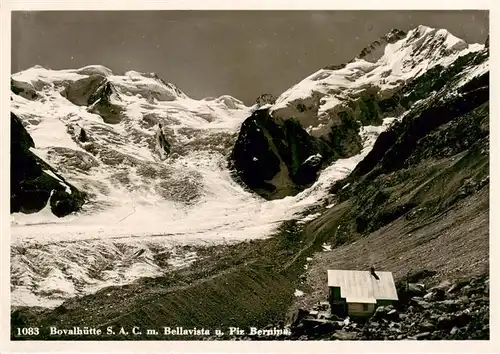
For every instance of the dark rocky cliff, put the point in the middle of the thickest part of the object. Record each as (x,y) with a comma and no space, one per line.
(32,180)
(277,157)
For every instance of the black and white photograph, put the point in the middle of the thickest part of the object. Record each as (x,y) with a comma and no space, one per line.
(248,175)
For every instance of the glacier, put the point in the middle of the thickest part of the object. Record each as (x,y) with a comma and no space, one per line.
(144,203)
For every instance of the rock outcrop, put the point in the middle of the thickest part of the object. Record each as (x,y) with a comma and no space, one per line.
(33,182)
(162,144)
(23,89)
(278,157)
(265,98)
(79,92)
(101,102)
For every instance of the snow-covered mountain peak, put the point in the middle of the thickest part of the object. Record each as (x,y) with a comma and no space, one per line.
(435,41)
(111,134)
(382,68)
(131,83)
(147,85)
(425,42)
(95,70)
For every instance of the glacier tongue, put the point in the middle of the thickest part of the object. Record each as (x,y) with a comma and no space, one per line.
(90,252)
(141,202)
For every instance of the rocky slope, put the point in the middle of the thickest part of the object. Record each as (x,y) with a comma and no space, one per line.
(446,311)
(451,126)
(419,201)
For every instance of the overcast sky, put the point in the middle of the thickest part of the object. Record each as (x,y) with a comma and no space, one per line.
(210,53)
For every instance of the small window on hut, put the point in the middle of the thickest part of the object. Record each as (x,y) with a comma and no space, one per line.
(365,307)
